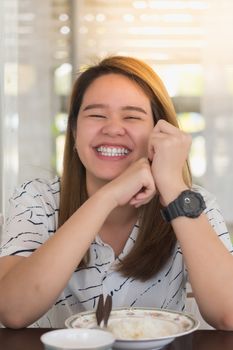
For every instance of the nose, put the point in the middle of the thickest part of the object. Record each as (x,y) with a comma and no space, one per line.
(113,128)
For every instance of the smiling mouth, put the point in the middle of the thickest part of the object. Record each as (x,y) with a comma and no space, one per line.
(112,151)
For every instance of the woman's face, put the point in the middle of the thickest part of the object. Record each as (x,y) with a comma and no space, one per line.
(113,127)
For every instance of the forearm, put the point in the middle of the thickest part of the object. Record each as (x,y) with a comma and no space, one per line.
(32,285)
(210,268)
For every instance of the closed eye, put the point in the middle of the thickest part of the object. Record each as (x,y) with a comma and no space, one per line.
(97,116)
(133,117)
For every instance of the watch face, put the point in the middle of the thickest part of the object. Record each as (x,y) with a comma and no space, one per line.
(191,203)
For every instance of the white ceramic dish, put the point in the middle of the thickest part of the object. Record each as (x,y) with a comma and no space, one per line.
(164,326)
(77,339)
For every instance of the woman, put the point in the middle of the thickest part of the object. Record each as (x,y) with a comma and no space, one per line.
(124,220)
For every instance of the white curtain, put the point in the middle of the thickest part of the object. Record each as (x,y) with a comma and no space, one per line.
(25,94)
(217,102)
(8,101)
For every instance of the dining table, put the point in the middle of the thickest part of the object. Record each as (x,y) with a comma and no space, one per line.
(29,339)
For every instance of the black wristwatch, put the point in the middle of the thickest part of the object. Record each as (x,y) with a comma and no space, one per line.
(188,203)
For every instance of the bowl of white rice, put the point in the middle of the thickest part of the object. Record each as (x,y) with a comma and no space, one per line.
(140,328)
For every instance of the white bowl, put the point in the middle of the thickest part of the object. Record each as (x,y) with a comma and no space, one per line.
(158,327)
(76,339)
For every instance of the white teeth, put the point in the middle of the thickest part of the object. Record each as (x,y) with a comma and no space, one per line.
(111,152)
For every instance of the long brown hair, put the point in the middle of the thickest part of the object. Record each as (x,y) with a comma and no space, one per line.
(156,238)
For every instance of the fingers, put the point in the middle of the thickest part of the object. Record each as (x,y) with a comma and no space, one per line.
(135,186)
(138,202)
(144,196)
(167,137)
(147,190)
(161,130)
(168,150)
(166,127)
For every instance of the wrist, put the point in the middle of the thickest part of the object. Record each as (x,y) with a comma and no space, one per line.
(106,196)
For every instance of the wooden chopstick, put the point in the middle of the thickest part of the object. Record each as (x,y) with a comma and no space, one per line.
(103,309)
(100,309)
(107,309)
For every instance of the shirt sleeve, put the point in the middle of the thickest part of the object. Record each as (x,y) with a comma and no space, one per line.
(31,220)
(215,217)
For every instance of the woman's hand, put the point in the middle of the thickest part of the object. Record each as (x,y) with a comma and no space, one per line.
(168,150)
(134,186)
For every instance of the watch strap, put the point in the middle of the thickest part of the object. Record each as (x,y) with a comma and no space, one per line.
(170,212)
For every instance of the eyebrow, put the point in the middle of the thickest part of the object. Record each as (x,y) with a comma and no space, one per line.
(94,105)
(125,108)
(134,108)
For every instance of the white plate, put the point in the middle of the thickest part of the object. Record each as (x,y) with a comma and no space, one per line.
(161,326)
(77,339)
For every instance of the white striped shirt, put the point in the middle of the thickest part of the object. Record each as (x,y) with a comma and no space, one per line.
(33,218)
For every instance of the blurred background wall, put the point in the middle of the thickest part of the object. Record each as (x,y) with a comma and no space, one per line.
(189,43)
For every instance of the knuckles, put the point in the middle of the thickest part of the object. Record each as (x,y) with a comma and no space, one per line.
(180,140)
